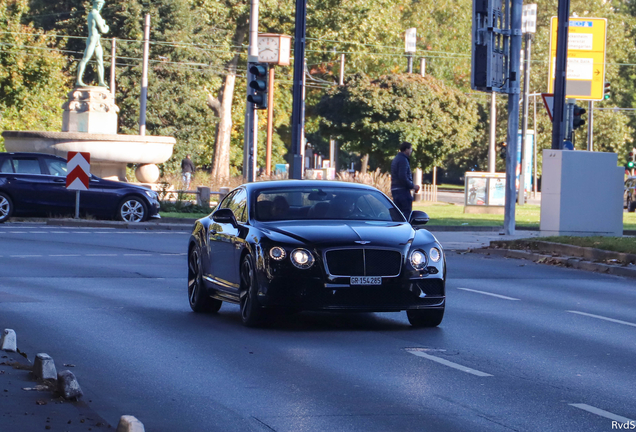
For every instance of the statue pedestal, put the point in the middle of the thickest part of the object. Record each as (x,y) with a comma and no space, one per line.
(90,110)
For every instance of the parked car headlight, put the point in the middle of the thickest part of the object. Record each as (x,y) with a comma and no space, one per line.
(301,258)
(418,259)
(277,253)
(435,254)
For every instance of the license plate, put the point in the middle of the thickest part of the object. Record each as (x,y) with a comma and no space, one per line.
(366,280)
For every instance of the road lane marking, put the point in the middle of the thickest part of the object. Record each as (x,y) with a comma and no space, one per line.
(38,232)
(137,254)
(24,256)
(602,413)
(489,294)
(82,232)
(59,232)
(17,232)
(65,255)
(101,255)
(449,363)
(603,318)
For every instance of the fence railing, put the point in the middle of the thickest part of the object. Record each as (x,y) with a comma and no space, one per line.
(202,193)
(428,192)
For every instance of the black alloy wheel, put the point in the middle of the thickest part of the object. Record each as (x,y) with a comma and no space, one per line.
(197,296)
(425,318)
(251,313)
(132,209)
(6,207)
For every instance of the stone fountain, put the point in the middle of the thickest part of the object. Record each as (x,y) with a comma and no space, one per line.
(90,125)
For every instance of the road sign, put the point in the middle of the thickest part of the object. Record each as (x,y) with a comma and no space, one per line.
(78,168)
(548,101)
(586,57)
(529,18)
(410,40)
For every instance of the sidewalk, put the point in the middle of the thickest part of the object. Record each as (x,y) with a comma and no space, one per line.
(463,240)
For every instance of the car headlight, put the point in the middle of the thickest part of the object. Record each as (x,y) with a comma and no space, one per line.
(435,254)
(418,259)
(301,258)
(277,253)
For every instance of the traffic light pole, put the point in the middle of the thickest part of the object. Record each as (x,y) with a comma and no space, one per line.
(590,126)
(513,115)
(521,196)
(298,114)
(251,117)
(560,78)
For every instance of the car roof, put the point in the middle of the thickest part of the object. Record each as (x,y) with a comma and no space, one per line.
(257,186)
(23,154)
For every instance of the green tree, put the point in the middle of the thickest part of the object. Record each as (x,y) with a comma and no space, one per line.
(31,80)
(374,116)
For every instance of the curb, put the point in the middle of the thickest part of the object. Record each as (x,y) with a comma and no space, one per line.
(120,225)
(591,254)
(571,262)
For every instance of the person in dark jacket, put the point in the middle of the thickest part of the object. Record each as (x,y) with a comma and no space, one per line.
(402,179)
(187,169)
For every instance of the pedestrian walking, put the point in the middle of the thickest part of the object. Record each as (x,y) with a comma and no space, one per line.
(402,179)
(187,169)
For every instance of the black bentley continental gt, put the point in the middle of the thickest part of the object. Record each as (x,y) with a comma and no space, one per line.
(298,245)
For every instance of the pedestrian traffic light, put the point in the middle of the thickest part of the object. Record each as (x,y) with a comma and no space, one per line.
(258,82)
(606,91)
(502,150)
(577,121)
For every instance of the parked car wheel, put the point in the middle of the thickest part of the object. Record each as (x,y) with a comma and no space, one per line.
(425,318)
(197,295)
(132,209)
(6,207)
(251,313)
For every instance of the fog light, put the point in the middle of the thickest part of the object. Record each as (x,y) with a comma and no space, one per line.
(301,258)
(277,253)
(418,260)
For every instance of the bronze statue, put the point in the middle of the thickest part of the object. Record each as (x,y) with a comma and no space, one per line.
(96,25)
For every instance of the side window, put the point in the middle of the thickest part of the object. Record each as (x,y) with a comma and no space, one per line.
(27,165)
(56,167)
(227,200)
(238,205)
(6,166)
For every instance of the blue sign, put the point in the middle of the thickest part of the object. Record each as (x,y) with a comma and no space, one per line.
(581,24)
(529,159)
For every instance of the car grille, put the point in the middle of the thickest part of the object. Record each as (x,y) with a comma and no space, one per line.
(363,262)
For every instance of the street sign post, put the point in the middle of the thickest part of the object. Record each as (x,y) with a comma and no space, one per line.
(585,60)
(78,170)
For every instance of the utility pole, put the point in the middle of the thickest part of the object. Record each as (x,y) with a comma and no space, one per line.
(270,122)
(560,78)
(528,26)
(492,158)
(144,78)
(298,105)
(410,64)
(251,117)
(342,69)
(536,145)
(590,126)
(513,115)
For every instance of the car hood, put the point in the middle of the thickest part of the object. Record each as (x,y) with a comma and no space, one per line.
(119,185)
(341,233)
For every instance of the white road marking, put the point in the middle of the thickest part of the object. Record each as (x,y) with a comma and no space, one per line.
(603,318)
(17,232)
(490,294)
(101,255)
(81,232)
(602,413)
(59,232)
(449,363)
(38,232)
(24,256)
(137,254)
(65,255)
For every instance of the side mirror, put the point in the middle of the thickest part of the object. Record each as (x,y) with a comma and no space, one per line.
(418,218)
(225,216)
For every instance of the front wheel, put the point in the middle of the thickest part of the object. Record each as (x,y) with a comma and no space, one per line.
(251,312)
(6,207)
(425,318)
(197,295)
(132,209)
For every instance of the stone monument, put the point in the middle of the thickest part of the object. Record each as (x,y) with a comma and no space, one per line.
(89,124)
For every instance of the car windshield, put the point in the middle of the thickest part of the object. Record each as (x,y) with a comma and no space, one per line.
(325,204)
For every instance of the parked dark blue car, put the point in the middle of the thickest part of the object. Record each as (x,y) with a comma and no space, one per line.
(35,183)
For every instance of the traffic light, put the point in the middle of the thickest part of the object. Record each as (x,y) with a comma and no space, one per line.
(502,150)
(606,91)
(577,121)
(258,82)
(631,159)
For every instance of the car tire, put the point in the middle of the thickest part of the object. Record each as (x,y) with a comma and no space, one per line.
(198,297)
(132,209)
(252,314)
(6,207)
(425,318)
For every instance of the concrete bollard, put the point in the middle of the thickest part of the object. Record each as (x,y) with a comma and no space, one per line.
(203,197)
(128,423)
(9,341)
(68,386)
(44,367)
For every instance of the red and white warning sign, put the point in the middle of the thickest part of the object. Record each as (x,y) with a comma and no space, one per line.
(548,101)
(78,166)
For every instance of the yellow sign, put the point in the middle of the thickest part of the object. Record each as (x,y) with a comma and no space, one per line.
(586,57)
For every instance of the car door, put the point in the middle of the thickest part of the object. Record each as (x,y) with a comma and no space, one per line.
(222,252)
(25,183)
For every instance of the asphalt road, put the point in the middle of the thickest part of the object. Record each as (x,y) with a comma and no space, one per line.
(523,347)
